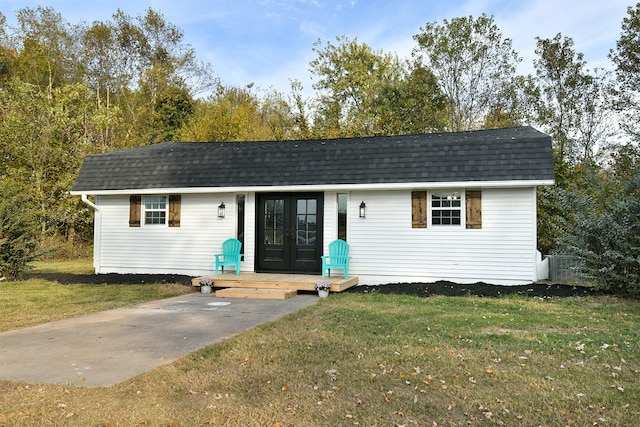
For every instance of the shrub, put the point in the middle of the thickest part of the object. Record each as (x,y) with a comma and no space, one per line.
(18,246)
(604,231)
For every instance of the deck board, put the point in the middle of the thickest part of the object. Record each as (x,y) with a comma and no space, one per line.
(298,282)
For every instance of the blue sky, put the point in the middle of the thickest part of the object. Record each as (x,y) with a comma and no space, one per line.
(268,42)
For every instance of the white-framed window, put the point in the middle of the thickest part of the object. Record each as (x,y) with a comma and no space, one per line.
(446,208)
(155,210)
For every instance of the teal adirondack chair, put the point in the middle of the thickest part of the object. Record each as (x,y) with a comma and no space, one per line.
(230,255)
(338,258)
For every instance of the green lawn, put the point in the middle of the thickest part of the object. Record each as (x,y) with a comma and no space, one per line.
(379,360)
(30,302)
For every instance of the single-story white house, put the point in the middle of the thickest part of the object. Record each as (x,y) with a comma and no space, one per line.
(414,208)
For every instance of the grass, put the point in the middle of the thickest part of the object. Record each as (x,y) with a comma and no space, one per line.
(34,301)
(381,360)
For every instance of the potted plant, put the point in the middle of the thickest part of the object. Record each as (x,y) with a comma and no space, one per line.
(205,285)
(323,288)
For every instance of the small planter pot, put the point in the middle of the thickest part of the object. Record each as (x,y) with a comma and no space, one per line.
(205,289)
(323,293)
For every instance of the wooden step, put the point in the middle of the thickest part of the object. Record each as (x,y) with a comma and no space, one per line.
(256,293)
(298,282)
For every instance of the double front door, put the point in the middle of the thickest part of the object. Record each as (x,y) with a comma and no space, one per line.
(289,232)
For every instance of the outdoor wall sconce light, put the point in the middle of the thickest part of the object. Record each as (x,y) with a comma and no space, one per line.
(363,208)
(221,209)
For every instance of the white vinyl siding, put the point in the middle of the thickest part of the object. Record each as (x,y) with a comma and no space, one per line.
(384,246)
(386,249)
(188,249)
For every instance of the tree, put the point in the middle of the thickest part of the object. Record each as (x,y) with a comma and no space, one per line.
(351,77)
(366,92)
(570,103)
(45,141)
(235,114)
(411,104)
(473,63)
(18,245)
(604,228)
(626,59)
(48,44)
(6,53)
(298,111)
(155,71)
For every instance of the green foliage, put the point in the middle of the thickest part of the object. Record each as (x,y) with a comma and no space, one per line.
(18,246)
(350,77)
(626,59)
(412,104)
(365,92)
(570,103)
(603,228)
(475,66)
(238,114)
(67,91)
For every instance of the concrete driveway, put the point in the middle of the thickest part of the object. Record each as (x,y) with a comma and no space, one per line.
(108,347)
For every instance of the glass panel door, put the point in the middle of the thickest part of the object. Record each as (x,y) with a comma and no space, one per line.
(289,232)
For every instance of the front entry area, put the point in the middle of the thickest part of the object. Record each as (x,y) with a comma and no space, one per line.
(289,232)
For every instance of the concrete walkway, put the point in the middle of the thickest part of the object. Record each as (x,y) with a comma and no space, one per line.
(108,347)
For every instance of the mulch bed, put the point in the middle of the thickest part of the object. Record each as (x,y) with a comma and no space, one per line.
(540,290)
(111,278)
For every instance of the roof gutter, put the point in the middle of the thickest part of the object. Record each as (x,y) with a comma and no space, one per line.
(330,187)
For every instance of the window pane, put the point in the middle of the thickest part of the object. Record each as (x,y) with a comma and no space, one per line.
(274,221)
(312,206)
(302,222)
(155,209)
(240,220)
(155,202)
(311,222)
(342,216)
(446,208)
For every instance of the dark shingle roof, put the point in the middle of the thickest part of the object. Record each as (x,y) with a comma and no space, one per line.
(510,154)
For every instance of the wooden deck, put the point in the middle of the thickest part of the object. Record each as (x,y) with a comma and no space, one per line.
(288,282)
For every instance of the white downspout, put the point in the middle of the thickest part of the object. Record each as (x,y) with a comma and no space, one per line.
(97,226)
(86,200)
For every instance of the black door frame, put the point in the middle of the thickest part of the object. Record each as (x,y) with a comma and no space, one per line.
(293,256)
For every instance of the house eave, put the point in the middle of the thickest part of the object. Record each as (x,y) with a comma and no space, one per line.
(321,187)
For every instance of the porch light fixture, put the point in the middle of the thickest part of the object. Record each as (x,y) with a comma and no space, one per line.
(363,208)
(221,209)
